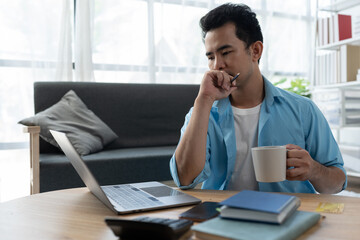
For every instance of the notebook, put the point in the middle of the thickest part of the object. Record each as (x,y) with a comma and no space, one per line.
(220,228)
(124,198)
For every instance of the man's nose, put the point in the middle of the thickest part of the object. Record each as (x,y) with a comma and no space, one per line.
(219,63)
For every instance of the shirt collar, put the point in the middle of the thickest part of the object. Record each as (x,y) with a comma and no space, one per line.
(271,92)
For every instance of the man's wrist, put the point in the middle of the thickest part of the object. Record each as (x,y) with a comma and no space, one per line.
(204,101)
(317,172)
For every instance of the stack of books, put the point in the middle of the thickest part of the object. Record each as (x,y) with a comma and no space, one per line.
(258,215)
(259,206)
(333,29)
(340,66)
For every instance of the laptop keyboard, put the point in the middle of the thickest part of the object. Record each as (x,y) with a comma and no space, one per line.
(129,197)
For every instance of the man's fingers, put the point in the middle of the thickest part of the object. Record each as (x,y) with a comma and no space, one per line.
(218,79)
(293,162)
(295,174)
(292,146)
(295,153)
(224,80)
(221,80)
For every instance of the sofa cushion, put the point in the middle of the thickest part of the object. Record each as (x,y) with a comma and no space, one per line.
(128,165)
(87,132)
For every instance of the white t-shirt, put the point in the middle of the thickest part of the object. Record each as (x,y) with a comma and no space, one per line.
(246,123)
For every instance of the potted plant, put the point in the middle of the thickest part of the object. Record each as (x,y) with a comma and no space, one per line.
(299,86)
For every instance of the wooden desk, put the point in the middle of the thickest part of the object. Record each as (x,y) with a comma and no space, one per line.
(77,214)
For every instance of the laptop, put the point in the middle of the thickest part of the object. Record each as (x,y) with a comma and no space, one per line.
(124,198)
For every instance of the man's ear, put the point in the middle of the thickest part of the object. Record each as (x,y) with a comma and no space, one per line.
(256,50)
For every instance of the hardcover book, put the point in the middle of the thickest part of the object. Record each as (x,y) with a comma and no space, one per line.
(259,206)
(344,26)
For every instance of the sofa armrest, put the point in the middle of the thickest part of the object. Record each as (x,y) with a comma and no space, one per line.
(34,158)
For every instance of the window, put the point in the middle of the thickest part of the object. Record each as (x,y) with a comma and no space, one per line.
(28,52)
(136,41)
(163,42)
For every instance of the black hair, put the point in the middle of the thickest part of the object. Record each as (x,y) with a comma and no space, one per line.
(247,25)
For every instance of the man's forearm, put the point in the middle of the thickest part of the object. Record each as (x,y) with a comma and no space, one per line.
(190,154)
(328,179)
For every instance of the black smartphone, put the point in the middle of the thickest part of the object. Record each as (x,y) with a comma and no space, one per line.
(202,212)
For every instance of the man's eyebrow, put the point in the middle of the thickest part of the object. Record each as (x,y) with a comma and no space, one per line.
(219,49)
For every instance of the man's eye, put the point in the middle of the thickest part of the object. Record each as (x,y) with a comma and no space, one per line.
(226,53)
(210,58)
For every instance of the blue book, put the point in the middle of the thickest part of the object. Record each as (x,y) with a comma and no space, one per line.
(259,206)
(219,228)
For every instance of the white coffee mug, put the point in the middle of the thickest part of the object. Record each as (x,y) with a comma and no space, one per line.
(269,163)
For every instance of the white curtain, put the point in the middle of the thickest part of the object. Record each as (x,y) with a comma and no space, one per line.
(64,69)
(84,71)
(29,52)
(83,41)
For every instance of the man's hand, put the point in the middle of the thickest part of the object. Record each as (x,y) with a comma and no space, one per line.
(216,85)
(301,167)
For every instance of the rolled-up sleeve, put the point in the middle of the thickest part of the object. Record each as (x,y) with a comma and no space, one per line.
(319,134)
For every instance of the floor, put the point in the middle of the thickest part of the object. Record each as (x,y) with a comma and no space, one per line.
(14,174)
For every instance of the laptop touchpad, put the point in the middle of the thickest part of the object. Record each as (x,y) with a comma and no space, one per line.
(161,191)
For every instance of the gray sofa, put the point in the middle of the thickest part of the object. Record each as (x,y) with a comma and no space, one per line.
(146,117)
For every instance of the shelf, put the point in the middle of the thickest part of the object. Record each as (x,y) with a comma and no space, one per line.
(334,99)
(339,85)
(334,46)
(351,157)
(352,173)
(338,127)
(340,5)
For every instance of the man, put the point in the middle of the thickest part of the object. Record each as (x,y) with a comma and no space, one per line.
(228,119)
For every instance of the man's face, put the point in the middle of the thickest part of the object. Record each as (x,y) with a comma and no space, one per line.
(228,53)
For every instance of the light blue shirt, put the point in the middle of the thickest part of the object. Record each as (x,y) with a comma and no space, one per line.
(285,118)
